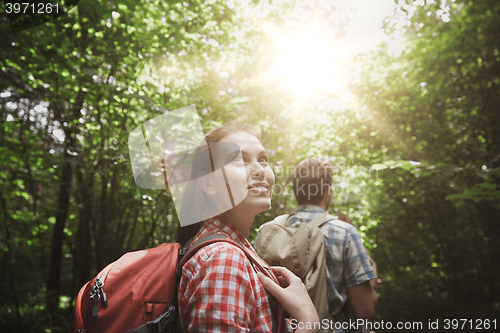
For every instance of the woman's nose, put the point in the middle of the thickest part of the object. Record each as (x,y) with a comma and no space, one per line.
(257,170)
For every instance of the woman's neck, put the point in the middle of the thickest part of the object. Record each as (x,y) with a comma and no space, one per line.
(241,220)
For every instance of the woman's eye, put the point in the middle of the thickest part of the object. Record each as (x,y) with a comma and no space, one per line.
(263,160)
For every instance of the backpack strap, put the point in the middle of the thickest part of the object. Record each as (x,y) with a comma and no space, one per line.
(282,220)
(321,219)
(186,253)
(158,325)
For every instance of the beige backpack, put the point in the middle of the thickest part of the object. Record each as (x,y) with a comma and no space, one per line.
(302,250)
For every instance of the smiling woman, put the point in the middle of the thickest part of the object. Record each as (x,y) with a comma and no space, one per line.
(307,61)
(219,288)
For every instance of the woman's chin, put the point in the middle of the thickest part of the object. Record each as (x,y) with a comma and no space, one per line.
(257,205)
(263,206)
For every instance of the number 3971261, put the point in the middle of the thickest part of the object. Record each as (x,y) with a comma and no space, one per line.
(31,8)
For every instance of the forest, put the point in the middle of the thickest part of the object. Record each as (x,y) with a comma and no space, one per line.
(413,135)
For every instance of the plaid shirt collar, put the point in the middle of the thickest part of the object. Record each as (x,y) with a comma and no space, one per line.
(309,209)
(220,225)
(306,213)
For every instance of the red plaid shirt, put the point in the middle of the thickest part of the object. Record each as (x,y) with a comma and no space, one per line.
(219,289)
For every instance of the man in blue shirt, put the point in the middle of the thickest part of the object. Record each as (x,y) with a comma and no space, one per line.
(348,267)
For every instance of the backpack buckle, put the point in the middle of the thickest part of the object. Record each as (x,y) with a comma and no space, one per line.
(183,251)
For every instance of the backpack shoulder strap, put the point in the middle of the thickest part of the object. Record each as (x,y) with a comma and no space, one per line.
(321,219)
(186,252)
(157,325)
(282,219)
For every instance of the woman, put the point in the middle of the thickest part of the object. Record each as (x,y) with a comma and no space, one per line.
(219,290)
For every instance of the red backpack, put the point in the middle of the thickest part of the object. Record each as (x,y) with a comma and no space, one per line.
(138,292)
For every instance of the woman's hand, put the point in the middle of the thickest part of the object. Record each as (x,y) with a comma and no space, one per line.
(294,298)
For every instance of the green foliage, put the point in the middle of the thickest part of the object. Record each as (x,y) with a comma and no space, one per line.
(434,109)
(72,90)
(477,193)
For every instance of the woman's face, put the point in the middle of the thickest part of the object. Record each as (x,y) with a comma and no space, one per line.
(250,178)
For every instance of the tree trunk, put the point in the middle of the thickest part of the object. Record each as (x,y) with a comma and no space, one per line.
(56,256)
(9,256)
(102,227)
(83,250)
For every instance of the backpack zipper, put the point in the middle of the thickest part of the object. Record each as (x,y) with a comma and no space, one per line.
(99,283)
(95,294)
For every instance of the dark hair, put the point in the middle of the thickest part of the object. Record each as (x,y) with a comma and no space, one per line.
(310,178)
(195,198)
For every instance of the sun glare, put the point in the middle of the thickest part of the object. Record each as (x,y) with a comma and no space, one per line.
(307,62)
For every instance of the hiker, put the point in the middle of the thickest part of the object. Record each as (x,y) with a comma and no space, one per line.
(219,289)
(338,270)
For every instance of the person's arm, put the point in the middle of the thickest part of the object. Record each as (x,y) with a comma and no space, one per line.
(293,297)
(358,272)
(373,282)
(363,300)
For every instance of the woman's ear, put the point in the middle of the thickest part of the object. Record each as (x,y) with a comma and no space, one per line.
(206,185)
